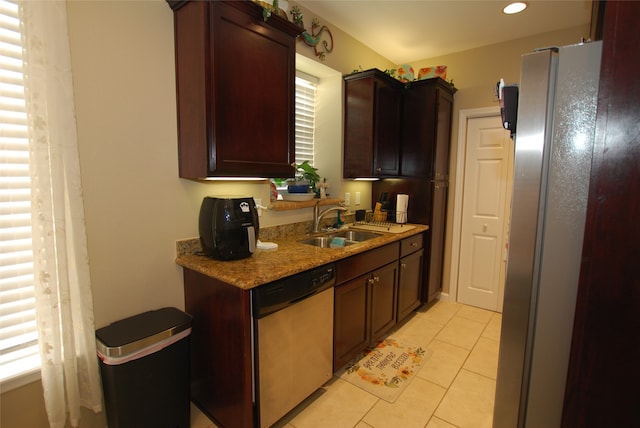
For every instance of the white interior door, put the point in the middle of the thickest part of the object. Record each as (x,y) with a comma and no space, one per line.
(485,212)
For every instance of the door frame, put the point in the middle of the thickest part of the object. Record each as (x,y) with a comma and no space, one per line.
(461,150)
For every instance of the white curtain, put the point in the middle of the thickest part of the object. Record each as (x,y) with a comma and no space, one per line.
(64,305)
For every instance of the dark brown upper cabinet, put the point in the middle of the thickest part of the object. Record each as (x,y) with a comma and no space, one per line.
(426,129)
(235,81)
(372,125)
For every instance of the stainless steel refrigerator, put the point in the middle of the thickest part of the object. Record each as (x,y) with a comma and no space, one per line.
(553,152)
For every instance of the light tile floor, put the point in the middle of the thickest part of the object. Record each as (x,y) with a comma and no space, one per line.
(455,388)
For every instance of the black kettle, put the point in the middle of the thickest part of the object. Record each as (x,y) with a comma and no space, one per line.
(228,227)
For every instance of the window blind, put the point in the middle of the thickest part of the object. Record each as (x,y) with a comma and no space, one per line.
(306,88)
(18,336)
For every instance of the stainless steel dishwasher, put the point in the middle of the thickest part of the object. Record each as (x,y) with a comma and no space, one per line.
(293,340)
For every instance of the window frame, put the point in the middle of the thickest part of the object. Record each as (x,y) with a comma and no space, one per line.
(306,104)
(19,353)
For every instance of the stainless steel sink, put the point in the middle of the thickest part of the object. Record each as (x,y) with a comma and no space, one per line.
(325,242)
(356,235)
(349,237)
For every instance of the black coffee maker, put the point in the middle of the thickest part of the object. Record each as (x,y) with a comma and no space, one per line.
(228,227)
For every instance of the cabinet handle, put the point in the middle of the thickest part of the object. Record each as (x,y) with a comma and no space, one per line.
(378,169)
(376,278)
(403,265)
(414,244)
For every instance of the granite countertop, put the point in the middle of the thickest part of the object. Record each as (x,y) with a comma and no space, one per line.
(289,258)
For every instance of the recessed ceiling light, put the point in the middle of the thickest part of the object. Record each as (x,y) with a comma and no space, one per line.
(514,7)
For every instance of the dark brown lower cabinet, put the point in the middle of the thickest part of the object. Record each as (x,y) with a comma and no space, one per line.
(364,312)
(221,359)
(374,291)
(409,284)
(350,332)
(364,301)
(382,300)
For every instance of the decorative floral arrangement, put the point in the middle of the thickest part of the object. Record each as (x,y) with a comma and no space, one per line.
(405,73)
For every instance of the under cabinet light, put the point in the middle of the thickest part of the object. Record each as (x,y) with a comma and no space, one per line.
(515,7)
(235,179)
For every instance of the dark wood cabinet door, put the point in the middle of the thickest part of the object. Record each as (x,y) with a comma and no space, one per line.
(426,129)
(235,80)
(372,125)
(382,300)
(253,74)
(410,284)
(386,136)
(436,239)
(351,331)
(444,110)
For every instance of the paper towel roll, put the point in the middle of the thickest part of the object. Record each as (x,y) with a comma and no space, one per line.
(402,202)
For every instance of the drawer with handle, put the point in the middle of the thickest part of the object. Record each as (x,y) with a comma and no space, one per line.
(411,244)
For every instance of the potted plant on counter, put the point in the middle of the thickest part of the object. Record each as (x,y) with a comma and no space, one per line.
(306,178)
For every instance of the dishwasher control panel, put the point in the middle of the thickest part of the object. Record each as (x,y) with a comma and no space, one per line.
(269,298)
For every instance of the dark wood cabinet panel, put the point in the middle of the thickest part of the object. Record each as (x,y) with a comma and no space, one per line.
(364,301)
(410,284)
(351,329)
(382,284)
(411,244)
(360,264)
(419,191)
(435,241)
(427,107)
(428,205)
(426,129)
(386,150)
(220,339)
(443,135)
(364,311)
(235,78)
(395,130)
(372,125)
(374,291)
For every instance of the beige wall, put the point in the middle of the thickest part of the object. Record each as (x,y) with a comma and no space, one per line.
(136,207)
(348,54)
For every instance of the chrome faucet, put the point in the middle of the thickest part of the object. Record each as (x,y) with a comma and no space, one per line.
(317,215)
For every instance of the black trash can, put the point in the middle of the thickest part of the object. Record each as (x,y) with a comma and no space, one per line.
(144,362)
